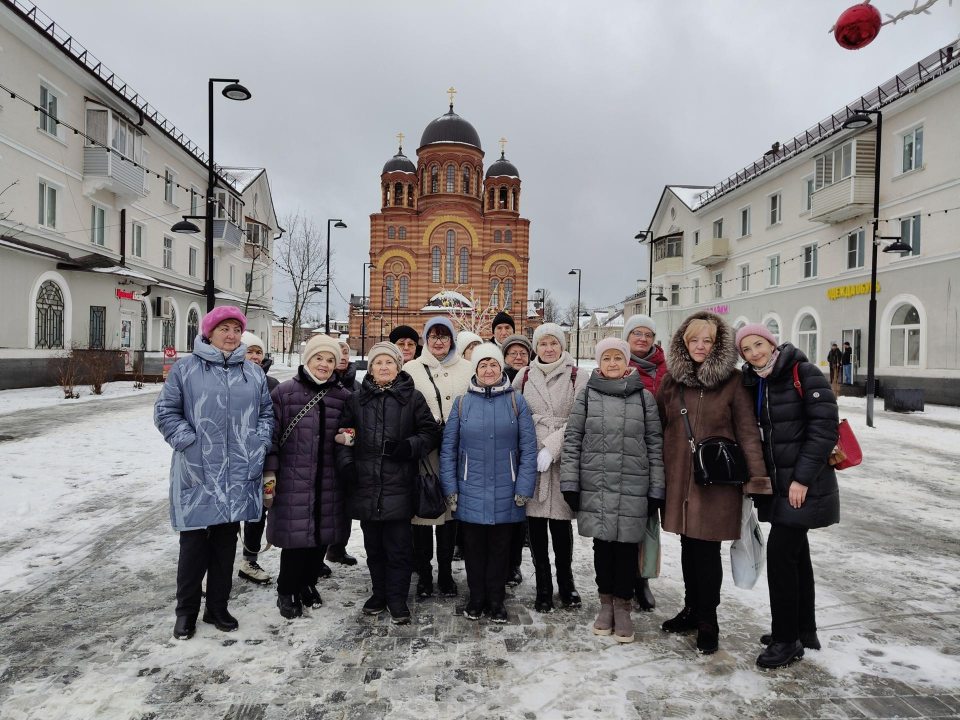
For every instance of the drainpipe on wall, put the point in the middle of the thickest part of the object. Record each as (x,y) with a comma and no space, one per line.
(123,236)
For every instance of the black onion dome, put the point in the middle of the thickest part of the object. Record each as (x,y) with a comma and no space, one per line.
(450,128)
(502,167)
(399,163)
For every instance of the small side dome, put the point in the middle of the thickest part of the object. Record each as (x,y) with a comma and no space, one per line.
(502,168)
(399,163)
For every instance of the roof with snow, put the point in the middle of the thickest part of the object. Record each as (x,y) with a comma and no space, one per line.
(240,177)
(688,194)
(446,298)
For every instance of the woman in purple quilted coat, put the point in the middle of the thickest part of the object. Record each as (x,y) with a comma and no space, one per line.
(308,513)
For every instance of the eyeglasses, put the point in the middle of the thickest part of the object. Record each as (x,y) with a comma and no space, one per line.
(438,338)
(517,354)
(642,334)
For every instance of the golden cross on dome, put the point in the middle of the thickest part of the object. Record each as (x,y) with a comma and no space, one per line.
(452,92)
(400,137)
(503,145)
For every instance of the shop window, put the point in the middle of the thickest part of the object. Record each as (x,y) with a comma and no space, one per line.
(905,337)
(49,333)
(808,337)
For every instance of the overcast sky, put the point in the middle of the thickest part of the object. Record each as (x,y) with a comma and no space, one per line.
(603,103)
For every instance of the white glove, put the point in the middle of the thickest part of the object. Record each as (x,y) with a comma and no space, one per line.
(544,460)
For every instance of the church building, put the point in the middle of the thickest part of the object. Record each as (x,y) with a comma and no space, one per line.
(446,234)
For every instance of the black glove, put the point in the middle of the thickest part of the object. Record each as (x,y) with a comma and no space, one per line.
(403,451)
(350,475)
(572,499)
(654,505)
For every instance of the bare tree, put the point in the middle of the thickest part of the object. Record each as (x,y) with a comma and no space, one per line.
(255,253)
(4,214)
(300,258)
(551,308)
(571,314)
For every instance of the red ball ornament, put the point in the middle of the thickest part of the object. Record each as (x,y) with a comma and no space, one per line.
(857,26)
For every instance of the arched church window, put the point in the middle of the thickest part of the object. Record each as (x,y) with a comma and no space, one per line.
(503,198)
(451,256)
(386,194)
(404,290)
(508,293)
(451,178)
(490,199)
(389,294)
(466,181)
(434,179)
(435,264)
(391,232)
(497,236)
(49,316)
(479,183)
(516,200)
(402,233)
(410,195)
(464,265)
(398,194)
(494,288)
(508,236)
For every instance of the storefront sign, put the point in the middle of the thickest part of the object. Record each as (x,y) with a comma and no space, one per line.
(845,291)
(719,309)
(128,295)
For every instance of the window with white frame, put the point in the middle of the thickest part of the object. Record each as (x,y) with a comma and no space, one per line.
(718,285)
(98,219)
(810,261)
(435,264)
(696,290)
(910,234)
(194,200)
(169,183)
(220,209)
(905,337)
(808,193)
(775,208)
(855,249)
(675,294)
(167,252)
(834,166)
(696,237)
(774,327)
(126,140)
(48,110)
(231,275)
(744,221)
(47,207)
(136,247)
(808,337)
(913,149)
(192,262)
(718,228)
(774,264)
(744,278)
(248,282)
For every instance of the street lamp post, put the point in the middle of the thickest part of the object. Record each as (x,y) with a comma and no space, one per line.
(579,273)
(339,224)
(283,337)
(363,310)
(641,236)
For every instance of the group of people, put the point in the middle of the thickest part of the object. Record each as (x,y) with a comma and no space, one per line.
(523,443)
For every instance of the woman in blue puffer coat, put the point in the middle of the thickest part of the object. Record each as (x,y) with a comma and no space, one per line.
(215,412)
(488,467)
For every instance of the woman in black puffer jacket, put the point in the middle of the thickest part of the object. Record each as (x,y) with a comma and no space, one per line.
(799,431)
(392,429)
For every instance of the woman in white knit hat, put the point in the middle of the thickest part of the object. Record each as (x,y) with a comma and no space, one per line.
(466,342)
(550,386)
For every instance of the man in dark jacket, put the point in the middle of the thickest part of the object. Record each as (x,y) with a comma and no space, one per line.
(834,360)
(846,360)
(503,327)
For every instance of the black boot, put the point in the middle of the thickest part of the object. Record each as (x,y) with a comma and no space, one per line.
(338,554)
(568,593)
(325,571)
(424,586)
(515,577)
(221,618)
(497,612)
(457,553)
(399,613)
(779,655)
(809,640)
(446,584)
(474,609)
(374,605)
(683,621)
(544,601)
(310,596)
(645,598)
(290,606)
(185,626)
(708,637)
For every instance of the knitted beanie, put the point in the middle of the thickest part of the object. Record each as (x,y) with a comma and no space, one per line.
(635,321)
(404,331)
(344,345)
(465,339)
(501,318)
(549,329)
(484,351)
(754,329)
(613,343)
(218,315)
(251,340)
(385,348)
(321,343)
(517,340)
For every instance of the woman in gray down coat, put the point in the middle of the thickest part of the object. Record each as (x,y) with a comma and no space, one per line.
(550,385)
(215,412)
(612,470)
(308,512)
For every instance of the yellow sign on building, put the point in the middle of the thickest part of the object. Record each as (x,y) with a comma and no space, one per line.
(845,291)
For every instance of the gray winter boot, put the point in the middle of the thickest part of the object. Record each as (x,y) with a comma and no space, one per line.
(603,625)
(623,623)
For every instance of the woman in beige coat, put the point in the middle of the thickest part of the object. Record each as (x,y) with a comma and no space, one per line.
(441,375)
(550,385)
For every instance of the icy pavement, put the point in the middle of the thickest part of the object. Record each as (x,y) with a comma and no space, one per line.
(88,563)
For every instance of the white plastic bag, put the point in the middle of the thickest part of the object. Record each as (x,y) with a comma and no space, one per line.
(749,553)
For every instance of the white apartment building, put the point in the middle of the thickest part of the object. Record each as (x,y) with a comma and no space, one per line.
(786,241)
(602,323)
(92,180)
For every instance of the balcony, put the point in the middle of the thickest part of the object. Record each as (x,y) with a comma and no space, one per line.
(106,170)
(667,265)
(843,200)
(226,234)
(711,251)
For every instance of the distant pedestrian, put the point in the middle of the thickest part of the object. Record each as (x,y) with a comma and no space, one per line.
(550,385)
(846,359)
(308,512)
(488,469)
(214,410)
(835,361)
(392,429)
(704,387)
(408,340)
(799,430)
(612,473)
(346,370)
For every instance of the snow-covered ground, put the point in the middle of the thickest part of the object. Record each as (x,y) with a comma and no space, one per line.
(40,397)
(88,563)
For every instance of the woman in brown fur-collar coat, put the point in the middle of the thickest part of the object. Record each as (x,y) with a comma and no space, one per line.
(701,361)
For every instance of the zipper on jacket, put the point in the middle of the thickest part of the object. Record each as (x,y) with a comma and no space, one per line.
(773,462)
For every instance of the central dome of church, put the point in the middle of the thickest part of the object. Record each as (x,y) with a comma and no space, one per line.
(450,128)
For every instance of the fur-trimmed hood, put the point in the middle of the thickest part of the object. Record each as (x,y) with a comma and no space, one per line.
(719,363)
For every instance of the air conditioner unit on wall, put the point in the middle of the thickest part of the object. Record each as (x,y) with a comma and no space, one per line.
(164,307)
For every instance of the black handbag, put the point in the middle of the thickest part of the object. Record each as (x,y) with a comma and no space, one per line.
(430,503)
(717,460)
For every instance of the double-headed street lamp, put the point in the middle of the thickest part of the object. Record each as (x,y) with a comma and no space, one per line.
(233,91)
(363,310)
(858,121)
(339,224)
(579,273)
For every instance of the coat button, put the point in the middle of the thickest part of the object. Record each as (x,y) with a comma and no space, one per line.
(446,374)
(448,397)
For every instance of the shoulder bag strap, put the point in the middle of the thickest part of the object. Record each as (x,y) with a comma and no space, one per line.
(300,415)
(796,379)
(523,383)
(686,421)
(516,412)
(573,375)
(436,390)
